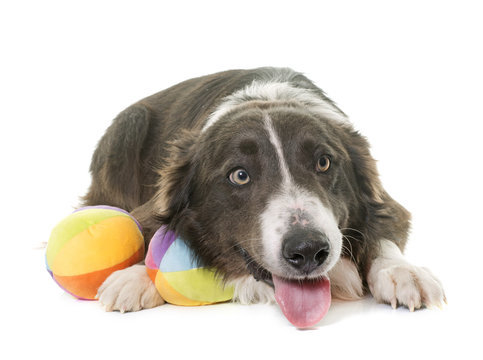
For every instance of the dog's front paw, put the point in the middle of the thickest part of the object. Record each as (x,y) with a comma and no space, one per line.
(401,283)
(129,289)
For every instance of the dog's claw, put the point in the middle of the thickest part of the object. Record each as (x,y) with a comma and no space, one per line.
(394,303)
(411,306)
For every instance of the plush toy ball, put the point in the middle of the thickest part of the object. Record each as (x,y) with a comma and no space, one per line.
(178,277)
(90,244)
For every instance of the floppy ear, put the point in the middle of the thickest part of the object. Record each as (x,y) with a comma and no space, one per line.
(175,184)
(365,169)
(383,217)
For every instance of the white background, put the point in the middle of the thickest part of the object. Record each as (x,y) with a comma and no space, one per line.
(409,74)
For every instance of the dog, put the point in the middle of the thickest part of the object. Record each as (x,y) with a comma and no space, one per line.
(267,181)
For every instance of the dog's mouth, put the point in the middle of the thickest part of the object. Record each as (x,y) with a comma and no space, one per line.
(257,271)
(304,302)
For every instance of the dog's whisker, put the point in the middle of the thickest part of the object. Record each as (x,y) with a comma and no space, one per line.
(355,230)
(351,237)
(350,251)
(258,247)
(352,229)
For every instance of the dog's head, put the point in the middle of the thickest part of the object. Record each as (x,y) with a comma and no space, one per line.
(266,190)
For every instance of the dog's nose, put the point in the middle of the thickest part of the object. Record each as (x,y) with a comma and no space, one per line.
(305,250)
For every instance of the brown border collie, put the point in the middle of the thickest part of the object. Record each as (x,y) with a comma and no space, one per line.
(267,181)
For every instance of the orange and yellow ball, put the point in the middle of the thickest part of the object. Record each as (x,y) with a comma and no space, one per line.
(90,244)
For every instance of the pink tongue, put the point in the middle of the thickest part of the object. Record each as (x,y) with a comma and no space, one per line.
(304,303)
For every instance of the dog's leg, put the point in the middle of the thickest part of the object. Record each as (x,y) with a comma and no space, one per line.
(129,289)
(393,280)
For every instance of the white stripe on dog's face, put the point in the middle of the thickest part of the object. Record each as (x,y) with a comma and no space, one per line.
(294,206)
(286,177)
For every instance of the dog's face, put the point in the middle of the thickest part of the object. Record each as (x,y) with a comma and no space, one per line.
(267,191)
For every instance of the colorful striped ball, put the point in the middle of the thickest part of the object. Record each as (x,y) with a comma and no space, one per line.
(179,278)
(90,244)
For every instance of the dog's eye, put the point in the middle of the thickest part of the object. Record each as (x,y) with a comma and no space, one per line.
(239,177)
(323,164)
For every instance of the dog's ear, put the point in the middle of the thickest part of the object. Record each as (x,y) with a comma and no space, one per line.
(176,180)
(365,169)
(382,217)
